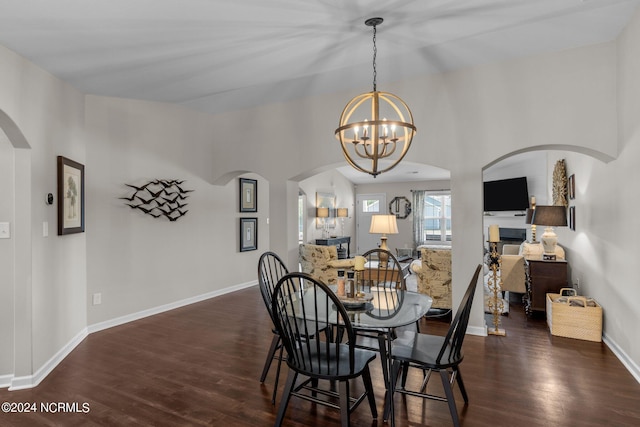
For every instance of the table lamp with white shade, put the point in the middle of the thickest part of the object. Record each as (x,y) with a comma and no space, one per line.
(323,213)
(342,213)
(383,224)
(549,216)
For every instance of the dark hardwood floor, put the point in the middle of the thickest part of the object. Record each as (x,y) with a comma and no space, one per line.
(200,365)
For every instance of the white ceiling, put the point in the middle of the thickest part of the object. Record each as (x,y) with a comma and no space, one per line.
(220,55)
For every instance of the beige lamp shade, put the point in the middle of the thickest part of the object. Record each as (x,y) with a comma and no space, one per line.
(383,224)
(343,212)
(322,212)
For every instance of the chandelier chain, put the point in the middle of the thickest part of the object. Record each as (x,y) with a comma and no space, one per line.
(375,53)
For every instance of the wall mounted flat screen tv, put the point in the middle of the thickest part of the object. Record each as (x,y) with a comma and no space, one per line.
(506,195)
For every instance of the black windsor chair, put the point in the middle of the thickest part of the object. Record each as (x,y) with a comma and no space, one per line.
(436,353)
(302,307)
(271,269)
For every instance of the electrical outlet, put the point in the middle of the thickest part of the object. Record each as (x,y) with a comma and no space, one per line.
(577,284)
(5,230)
(97,299)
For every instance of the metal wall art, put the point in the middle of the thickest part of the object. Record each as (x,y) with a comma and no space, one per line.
(160,198)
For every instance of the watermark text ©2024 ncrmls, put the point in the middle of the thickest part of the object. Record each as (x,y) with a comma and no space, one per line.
(46,407)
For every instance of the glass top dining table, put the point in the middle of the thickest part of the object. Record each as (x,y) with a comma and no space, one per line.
(387,309)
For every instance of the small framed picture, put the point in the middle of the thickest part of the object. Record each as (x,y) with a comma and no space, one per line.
(572,218)
(571,187)
(248,195)
(70,196)
(248,234)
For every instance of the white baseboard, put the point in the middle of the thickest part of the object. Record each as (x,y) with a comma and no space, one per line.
(166,307)
(631,366)
(480,331)
(5,380)
(30,381)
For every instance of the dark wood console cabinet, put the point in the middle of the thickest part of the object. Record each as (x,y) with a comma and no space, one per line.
(544,277)
(337,241)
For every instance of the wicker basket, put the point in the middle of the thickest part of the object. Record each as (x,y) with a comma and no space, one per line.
(564,320)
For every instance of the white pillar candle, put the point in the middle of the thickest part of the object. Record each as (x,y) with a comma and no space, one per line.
(359,263)
(494,233)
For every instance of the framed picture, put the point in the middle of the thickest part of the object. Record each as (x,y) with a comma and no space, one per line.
(571,187)
(326,200)
(572,218)
(248,195)
(248,234)
(70,196)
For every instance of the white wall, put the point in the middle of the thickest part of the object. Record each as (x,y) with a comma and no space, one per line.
(6,255)
(466,120)
(49,300)
(332,182)
(137,262)
(605,246)
(404,238)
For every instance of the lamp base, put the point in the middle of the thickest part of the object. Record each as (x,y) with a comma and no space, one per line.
(384,258)
(549,239)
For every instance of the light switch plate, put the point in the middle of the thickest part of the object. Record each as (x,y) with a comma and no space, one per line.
(5,230)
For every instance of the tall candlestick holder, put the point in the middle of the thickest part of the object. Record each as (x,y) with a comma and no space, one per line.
(358,284)
(495,304)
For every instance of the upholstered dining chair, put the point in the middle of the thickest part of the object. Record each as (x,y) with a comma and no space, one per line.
(271,269)
(301,306)
(436,353)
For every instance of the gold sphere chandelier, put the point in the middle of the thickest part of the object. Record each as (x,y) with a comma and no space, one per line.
(386,132)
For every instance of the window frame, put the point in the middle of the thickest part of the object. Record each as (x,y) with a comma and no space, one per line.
(443,219)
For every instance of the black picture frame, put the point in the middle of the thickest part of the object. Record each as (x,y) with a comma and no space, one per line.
(571,187)
(70,196)
(248,195)
(248,234)
(572,218)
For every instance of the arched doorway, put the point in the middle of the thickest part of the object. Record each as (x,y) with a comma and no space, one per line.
(537,166)
(15,336)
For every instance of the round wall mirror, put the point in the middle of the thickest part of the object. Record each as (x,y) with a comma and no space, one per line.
(400,207)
